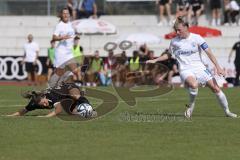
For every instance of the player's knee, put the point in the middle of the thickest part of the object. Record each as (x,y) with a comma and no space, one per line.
(216,89)
(193,85)
(193,91)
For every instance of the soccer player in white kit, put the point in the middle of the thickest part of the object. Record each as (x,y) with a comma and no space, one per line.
(186,48)
(64,34)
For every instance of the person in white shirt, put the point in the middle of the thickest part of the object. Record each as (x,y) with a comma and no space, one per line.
(231,10)
(186,48)
(31,51)
(64,34)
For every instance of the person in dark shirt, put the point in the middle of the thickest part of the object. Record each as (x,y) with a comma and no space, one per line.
(182,8)
(196,8)
(236,48)
(51,99)
(87,8)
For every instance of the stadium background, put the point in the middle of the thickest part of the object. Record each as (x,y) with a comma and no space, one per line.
(18,18)
(153,129)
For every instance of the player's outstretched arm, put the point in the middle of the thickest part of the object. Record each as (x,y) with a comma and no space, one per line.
(220,71)
(161,58)
(22,112)
(58,109)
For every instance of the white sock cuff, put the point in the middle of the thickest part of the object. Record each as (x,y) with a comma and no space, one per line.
(193,91)
(220,93)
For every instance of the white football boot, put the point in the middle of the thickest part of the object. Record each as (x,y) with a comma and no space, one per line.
(188,112)
(230,114)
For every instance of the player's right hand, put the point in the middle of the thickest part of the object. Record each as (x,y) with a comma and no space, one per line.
(150,61)
(221,72)
(65,37)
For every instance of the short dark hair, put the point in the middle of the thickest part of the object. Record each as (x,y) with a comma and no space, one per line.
(76,37)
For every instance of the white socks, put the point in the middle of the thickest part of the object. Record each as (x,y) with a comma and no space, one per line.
(192,96)
(223,101)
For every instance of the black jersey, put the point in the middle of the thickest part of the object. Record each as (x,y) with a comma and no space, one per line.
(54,95)
(196,4)
(32,106)
(236,47)
(183,4)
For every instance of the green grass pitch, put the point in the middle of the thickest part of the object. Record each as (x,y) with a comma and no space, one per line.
(152,130)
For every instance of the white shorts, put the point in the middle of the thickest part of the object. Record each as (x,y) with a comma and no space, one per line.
(62,58)
(202,75)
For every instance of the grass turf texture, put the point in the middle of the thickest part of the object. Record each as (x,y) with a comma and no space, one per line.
(126,133)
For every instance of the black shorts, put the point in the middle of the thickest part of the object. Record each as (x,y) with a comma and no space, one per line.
(237,65)
(195,11)
(30,67)
(215,4)
(50,66)
(163,2)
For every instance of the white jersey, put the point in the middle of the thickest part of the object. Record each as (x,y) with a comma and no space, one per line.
(234,6)
(187,51)
(30,50)
(64,48)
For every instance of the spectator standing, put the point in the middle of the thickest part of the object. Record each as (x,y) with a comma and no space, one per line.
(31,51)
(196,8)
(231,10)
(216,12)
(87,8)
(77,51)
(50,59)
(236,48)
(72,8)
(164,5)
(182,8)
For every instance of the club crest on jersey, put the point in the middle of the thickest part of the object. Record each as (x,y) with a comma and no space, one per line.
(193,44)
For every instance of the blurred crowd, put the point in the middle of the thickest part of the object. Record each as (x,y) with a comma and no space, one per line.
(117,68)
(223,12)
(193,9)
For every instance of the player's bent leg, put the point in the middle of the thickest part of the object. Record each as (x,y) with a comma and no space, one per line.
(212,84)
(53,81)
(192,86)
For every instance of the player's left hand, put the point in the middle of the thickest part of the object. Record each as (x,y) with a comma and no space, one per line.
(42,116)
(220,72)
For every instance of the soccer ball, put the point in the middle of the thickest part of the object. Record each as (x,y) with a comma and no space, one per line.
(85,110)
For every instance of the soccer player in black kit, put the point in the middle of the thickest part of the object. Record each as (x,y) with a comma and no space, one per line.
(236,48)
(51,99)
